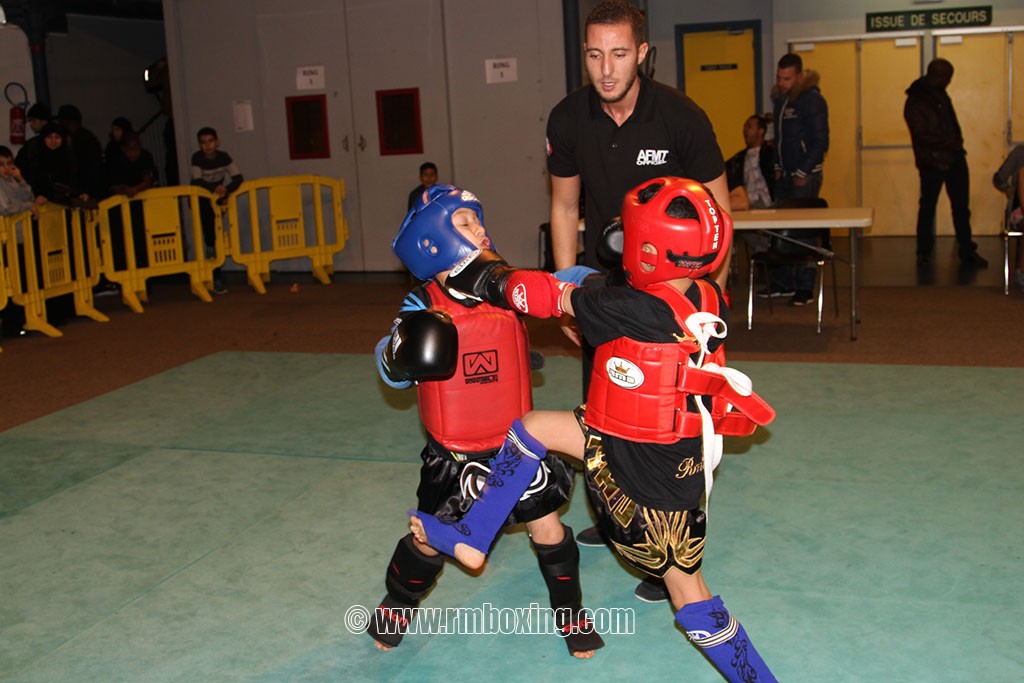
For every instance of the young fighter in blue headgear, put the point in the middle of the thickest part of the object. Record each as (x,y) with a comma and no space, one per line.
(469,361)
(660,398)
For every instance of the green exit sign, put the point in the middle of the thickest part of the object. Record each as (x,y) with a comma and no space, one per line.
(916,20)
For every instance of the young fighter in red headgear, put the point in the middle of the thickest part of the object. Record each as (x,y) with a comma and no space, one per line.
(470,364)
(659,401)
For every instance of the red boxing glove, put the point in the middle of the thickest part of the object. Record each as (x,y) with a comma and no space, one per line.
(535,293)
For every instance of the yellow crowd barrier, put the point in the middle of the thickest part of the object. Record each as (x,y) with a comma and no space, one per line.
(279,203)
(59,256)
(7,236)
(160,232)
(161,228)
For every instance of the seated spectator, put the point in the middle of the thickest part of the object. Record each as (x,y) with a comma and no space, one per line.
(15,194)
(749,172)
(52,173)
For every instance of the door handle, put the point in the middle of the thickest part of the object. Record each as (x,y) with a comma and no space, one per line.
(344,143)
(362,143)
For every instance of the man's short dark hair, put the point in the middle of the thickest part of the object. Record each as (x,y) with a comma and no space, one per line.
(206,130)
(69,112)
(5,152)
(39,110)
(762,122)
(618,12)
(791,60)
(428,165)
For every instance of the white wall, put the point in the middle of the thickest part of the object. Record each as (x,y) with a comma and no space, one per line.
(795,19)
(98,66)
(497,130)
(15,66)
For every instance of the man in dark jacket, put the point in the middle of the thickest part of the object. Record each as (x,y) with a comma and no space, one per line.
(941,160)
(801,140)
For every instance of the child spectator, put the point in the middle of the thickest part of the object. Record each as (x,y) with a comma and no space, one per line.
(428,178)
(659,400)
(130,171)
(15,194)
(213,169)
(470,364)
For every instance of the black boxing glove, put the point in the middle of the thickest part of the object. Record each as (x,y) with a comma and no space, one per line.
(482,275)
(424,346)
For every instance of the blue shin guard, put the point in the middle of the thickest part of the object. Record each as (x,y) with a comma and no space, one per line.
(512,470)
(723,640)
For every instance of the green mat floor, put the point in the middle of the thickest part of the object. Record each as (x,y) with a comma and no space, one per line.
(231,519)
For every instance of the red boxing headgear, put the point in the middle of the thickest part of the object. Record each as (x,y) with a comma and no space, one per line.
(688,230)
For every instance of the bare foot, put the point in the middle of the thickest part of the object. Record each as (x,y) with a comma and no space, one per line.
(467,555)
(418,533)
(584,655)
(382,647)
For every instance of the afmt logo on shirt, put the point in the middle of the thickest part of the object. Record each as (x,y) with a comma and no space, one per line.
(652,157)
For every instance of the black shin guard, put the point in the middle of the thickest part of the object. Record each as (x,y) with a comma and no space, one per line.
(560,566)
(410,575)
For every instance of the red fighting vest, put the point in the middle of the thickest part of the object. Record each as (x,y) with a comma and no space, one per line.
(638,390)
(472,410)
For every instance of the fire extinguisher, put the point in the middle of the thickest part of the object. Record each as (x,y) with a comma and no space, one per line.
(17,113)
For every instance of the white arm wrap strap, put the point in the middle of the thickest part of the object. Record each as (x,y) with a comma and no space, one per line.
(705,326)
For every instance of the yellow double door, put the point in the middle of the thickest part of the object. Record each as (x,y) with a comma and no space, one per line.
(870,161)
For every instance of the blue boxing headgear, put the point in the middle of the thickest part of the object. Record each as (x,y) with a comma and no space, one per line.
(428,243)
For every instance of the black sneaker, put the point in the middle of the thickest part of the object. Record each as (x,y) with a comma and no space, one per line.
(651,590)
(591,538)
(775,293)
(801,299)
(973,260)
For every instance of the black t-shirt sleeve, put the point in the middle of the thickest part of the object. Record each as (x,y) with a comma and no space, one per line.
(697,145)
(561,141)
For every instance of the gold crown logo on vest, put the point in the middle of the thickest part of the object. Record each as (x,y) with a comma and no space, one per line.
(624,373)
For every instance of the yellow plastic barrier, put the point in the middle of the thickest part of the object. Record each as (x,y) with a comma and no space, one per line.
(6,237)
(288,239)
(60,257)
(165,246)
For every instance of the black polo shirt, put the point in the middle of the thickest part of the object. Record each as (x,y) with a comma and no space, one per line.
(667,135)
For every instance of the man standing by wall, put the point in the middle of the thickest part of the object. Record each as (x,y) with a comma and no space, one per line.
(608,137)
(941,159)
(801,140)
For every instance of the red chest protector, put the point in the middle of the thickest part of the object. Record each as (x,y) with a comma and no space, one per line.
(639,390)
(472,410)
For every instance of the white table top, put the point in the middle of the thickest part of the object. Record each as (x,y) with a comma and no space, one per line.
(768,219)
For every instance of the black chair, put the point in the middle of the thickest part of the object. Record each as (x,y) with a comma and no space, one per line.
(796,249)
(1010,230)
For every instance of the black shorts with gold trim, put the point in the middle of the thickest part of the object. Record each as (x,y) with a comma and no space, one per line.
(650,540)
(450,482)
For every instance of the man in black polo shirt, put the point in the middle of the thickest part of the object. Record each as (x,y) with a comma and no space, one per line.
(619,131)
(608,137)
